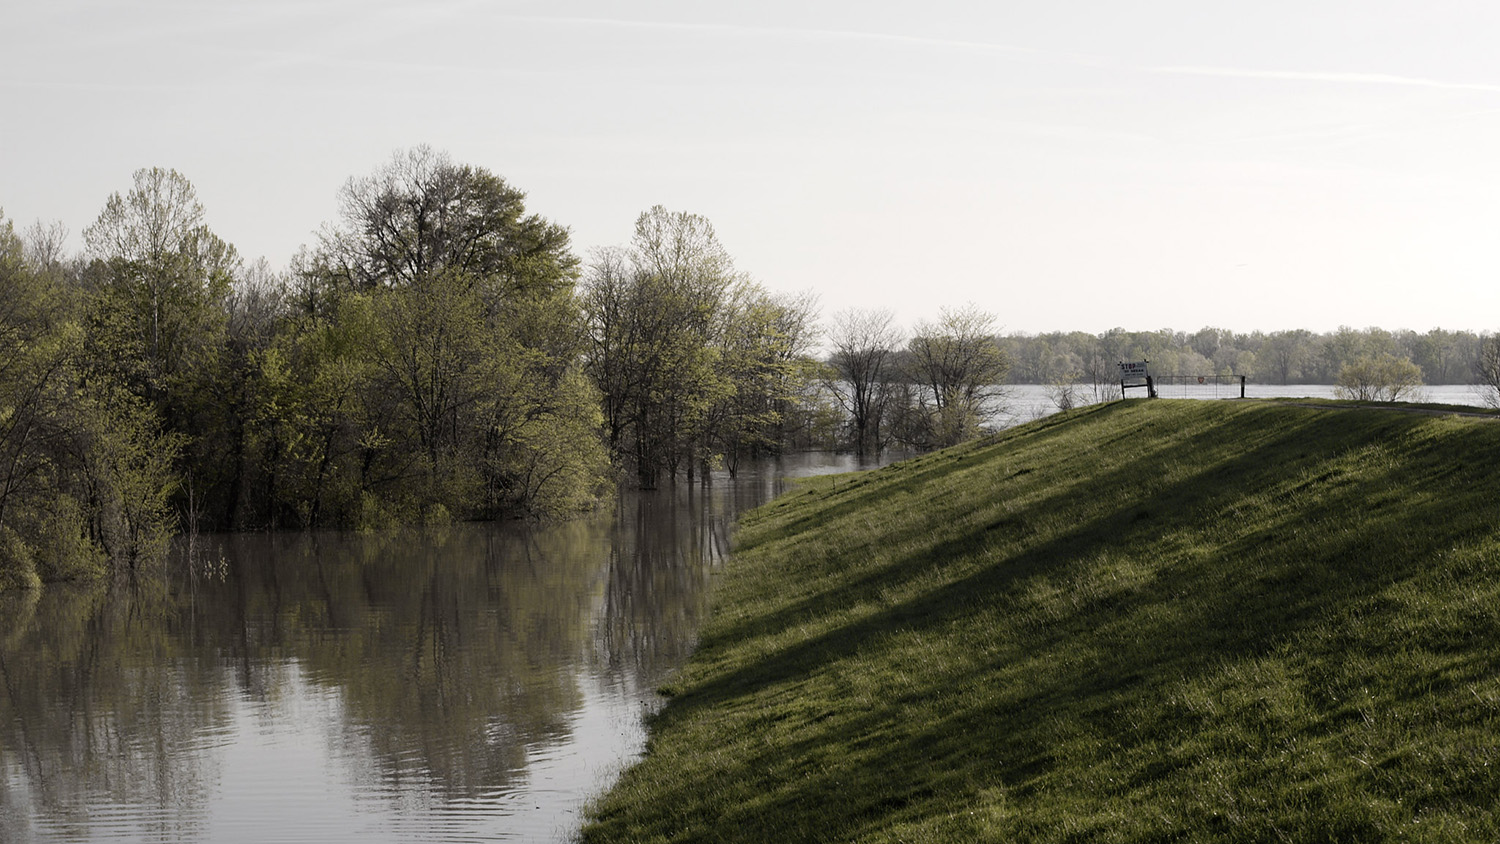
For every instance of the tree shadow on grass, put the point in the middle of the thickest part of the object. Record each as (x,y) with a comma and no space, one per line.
(1322,531)
(996,520)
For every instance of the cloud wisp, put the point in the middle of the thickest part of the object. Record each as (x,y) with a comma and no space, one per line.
(1325,76)
(1009,50)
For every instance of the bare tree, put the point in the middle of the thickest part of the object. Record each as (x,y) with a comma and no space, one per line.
(1488,369)
(1066,392)
(961,369)
(46,245)
(160,217)
(1383,377)
(863,342)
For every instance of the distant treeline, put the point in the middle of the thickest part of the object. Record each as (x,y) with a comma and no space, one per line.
(1277,357)
(438,353)
(890,385)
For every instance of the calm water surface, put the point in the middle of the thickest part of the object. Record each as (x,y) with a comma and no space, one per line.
(476,683)
(1025,402)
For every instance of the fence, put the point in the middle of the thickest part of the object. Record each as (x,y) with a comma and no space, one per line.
(1200,386)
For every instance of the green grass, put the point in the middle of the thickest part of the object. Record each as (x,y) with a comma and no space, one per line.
(1424,407)
(1142,621)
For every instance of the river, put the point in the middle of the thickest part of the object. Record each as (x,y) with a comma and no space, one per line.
(1026,402)
(476,682)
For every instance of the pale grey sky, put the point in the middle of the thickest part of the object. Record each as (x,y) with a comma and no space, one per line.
(1066,165)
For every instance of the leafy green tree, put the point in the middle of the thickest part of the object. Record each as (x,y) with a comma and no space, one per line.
(764,358)
(1443,355)
(129,474)
(84,472)
(316,426)
(470,338)
(694,362)
(654,314)
(29,363)
(160,283)
(422,217)
(1334,350)
(254,312)
(1286,354)
(161,279)
(1208,341)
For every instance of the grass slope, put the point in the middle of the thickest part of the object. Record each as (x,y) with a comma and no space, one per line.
(1142,621)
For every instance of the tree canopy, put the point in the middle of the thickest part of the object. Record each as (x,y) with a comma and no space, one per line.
(695,361)
(439,352)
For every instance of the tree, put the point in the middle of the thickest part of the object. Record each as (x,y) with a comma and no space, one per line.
(471,339)
(158,284)
(863,342)
(655,313)
(1208,340)
(961,369)
(1487,369)
(162,278)
(1100,368)
(610,293)
(694,361)
(1380,377)
(762,343)
(84,471)
(422,217)
(30,362)
(1286,352)
(1442,354)
(314,429)
(1337,349)
(45,246)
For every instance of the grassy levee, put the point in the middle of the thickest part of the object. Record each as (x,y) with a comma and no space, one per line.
(1142,621)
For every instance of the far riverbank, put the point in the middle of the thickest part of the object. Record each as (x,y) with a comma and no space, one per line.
(1026,402)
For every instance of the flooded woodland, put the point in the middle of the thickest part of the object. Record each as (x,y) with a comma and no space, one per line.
(474,681)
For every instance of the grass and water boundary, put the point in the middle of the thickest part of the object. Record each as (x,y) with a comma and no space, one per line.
(1140,621)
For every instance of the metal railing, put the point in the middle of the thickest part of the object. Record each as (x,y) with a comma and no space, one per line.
(1200,386)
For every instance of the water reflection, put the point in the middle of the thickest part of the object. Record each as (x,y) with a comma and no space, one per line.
(473,682)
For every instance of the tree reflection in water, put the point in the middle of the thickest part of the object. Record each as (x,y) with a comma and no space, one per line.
(446,683)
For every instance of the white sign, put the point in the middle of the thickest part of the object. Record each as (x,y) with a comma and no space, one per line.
(1133,374)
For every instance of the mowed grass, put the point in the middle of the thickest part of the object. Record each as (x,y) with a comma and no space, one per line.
(1142,621)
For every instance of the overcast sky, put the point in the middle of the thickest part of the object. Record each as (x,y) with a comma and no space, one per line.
(1065,165)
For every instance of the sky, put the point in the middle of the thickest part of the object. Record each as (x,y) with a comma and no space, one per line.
(1062,165)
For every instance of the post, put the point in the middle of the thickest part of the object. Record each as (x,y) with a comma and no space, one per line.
(1150,388)
(1242,386)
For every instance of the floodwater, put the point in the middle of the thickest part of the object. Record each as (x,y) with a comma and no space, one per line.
(472,683)
(1026,402)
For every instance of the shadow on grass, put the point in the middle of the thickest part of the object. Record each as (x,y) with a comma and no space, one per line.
(1261,530)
